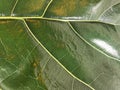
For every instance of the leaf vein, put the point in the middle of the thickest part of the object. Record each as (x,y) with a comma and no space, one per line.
(91,44)
(14,7)
(54,57)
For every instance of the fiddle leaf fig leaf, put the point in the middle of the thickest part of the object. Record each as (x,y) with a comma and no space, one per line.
(59,45)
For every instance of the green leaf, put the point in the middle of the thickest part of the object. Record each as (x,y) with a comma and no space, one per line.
(59,45)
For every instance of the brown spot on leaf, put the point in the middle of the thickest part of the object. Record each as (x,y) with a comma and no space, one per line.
(65,7)
(4,21)
(35,6)
(60,11)
(10,57)
(84,3)
(35,22)
(40,78)
(34,64)
(20,31)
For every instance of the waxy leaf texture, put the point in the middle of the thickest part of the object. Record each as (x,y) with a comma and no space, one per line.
(60,44)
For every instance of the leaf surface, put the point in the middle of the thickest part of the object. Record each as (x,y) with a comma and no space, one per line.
(59,45)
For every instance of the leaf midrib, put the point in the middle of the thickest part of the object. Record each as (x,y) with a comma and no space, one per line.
(54,19)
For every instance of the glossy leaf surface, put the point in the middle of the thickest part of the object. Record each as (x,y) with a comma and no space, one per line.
(59,45)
